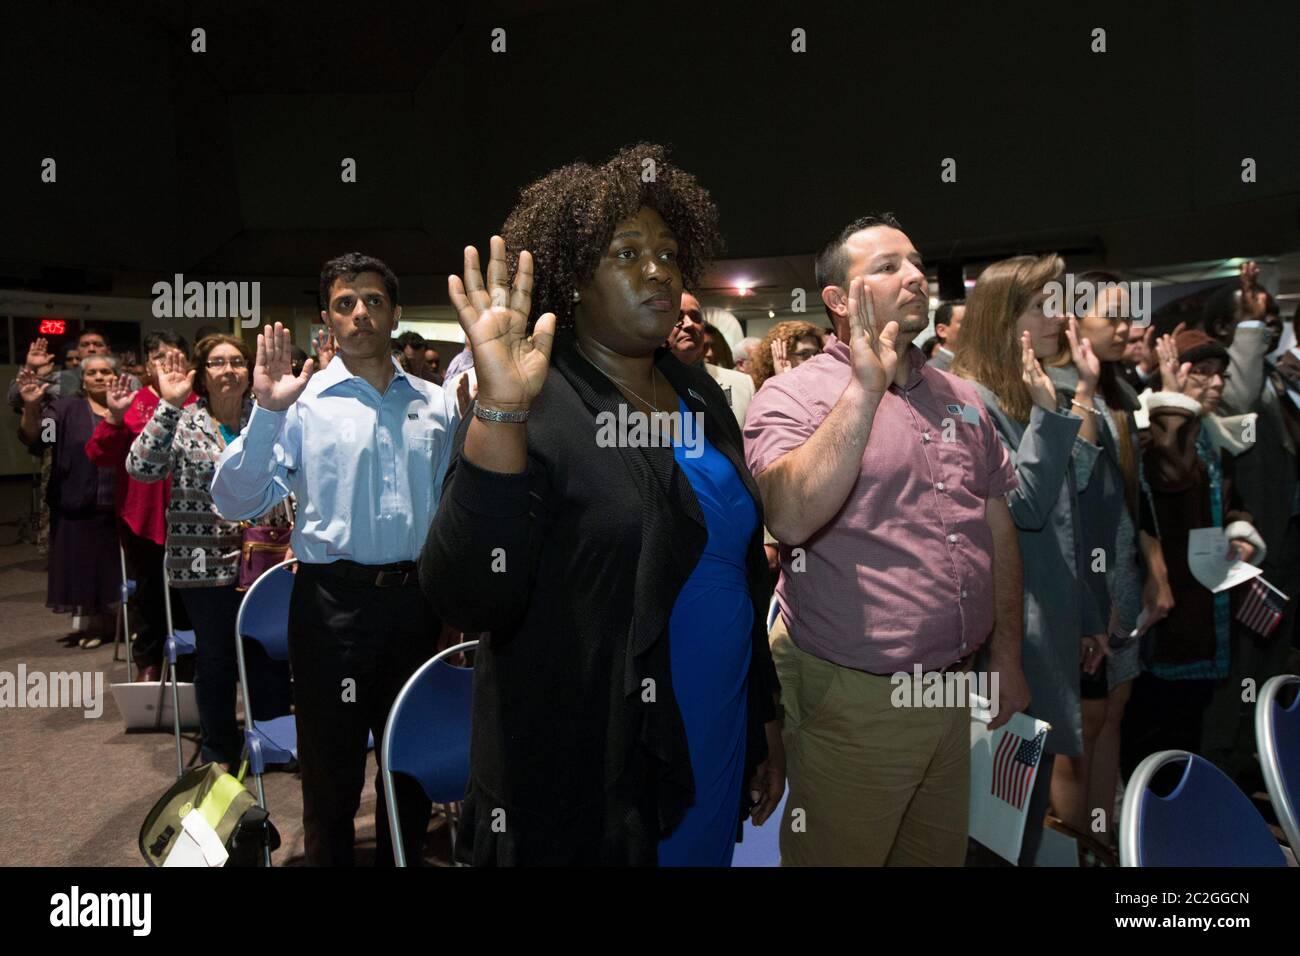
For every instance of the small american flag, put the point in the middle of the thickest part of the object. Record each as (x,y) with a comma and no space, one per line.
(1262,607)
(1013,766)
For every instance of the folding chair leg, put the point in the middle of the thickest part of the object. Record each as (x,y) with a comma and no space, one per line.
(124,617)
(167,670)
(261,798)
(176,724)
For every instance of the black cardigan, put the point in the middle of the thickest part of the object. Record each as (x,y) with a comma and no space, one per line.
(578,751)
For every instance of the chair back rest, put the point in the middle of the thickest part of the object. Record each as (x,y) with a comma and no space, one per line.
(1277,734)
(1204,821)
(428,730)
(264,612)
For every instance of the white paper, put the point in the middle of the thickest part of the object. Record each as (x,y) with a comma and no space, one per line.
(197,844)
(993,822)
(1207,551)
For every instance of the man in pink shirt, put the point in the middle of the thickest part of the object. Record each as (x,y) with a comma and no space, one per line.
(884,481)
(141,507)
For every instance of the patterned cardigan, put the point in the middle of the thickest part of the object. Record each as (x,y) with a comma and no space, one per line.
(202,547)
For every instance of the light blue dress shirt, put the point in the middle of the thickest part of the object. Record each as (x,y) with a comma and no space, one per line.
(366,469)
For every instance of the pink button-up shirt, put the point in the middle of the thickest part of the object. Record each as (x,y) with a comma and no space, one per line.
(903,574)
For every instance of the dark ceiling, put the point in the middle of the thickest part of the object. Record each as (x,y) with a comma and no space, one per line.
(228,162)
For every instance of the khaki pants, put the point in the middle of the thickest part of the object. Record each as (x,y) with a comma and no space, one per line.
(870,784)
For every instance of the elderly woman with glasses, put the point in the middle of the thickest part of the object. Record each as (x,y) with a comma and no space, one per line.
(203,548)
(1188,454)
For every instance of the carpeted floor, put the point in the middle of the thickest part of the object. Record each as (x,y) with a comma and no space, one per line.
(74,790)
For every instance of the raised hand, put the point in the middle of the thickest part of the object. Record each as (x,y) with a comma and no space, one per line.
(1254,300)
(274,384)
(874,352)
(510,364)
(175,378)
(1041,389)
(38,356)
(1173,376)
(326,346)
(464,393)
(119,397)
(30,387)
(1085,360)
(780,363)
(1149,358)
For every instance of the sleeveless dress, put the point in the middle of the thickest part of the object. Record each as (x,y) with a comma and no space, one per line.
(709,643)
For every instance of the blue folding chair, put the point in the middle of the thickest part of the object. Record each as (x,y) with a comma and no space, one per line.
(1277,733)
(264,617)
(427,738)
(178,644)
(122,635)
(1204,821)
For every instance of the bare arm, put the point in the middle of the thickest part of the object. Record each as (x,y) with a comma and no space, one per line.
(804,488)
(1008,603)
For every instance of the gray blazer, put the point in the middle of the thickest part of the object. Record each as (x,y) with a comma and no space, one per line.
(1043,508)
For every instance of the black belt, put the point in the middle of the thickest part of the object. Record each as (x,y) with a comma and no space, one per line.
(403,574)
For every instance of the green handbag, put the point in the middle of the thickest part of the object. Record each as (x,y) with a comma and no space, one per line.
(224,806)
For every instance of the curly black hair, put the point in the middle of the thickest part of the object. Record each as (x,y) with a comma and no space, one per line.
(566,220)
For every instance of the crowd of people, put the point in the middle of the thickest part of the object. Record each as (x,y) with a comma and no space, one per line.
(1016,499)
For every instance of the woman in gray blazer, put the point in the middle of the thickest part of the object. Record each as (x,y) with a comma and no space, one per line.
(1004,335)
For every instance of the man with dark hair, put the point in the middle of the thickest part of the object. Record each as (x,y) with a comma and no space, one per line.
(885,482)
(947,323)
(1246,319)
(363,446)
(411,344)
(141,506)
(687,343)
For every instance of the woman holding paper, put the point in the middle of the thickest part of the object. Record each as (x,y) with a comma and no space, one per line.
(1191,481)
(1005,334)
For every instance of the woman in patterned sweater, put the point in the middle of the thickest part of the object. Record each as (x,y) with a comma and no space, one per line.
(202,547)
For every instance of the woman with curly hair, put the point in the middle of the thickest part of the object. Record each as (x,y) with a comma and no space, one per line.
(787,345)
(625,704)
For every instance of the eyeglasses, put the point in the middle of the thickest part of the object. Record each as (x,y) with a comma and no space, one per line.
(1204,375)
(220,363)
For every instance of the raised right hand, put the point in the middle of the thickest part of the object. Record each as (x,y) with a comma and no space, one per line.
(780,363)
(1041,389)
(30,387)
(1173,376)
(175,379)
(119,398)
(874,352)
(274,384)
(38,356)
(510,364)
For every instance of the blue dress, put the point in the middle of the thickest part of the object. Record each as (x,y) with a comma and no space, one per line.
(709,644)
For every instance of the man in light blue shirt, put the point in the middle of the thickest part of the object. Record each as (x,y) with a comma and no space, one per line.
(364,448)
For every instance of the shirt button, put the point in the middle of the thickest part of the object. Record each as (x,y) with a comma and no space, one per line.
(952,539)
(941,486)
(963,592)
(925,436)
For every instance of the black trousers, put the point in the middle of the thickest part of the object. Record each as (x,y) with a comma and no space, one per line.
(352,647)
(144,563)
(216,673)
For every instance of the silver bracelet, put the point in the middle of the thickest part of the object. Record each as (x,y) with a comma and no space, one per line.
(1091,409)
(496,415)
